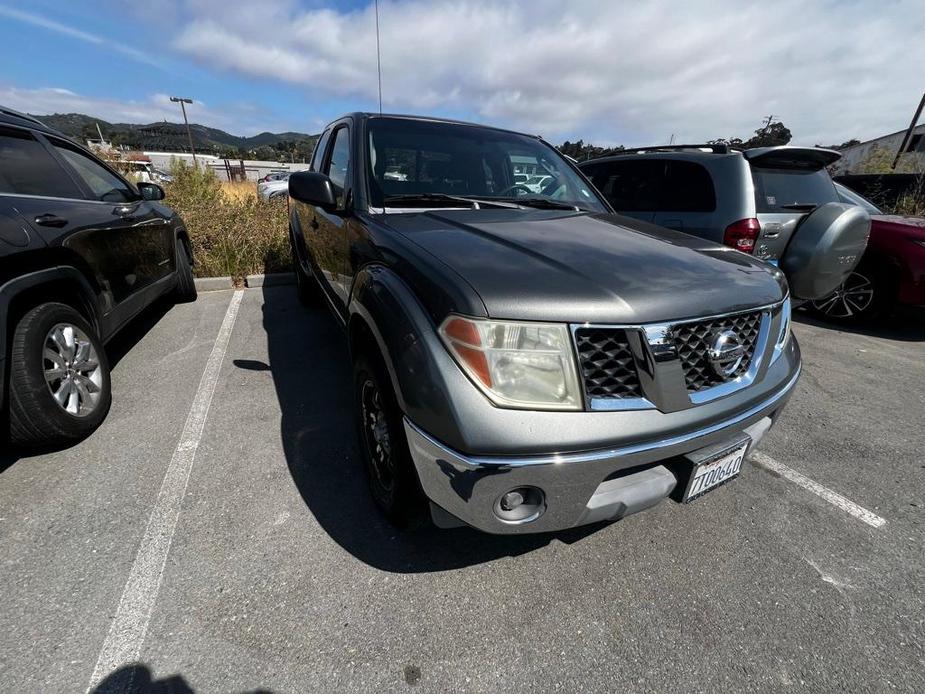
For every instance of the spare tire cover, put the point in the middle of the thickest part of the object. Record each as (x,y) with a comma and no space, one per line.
(824,249)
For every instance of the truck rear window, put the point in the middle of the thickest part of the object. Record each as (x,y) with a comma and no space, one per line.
(778,190)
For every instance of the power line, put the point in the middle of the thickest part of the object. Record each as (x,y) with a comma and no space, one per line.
(378,58)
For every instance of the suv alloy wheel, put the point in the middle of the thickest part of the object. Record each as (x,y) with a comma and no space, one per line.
(59,378)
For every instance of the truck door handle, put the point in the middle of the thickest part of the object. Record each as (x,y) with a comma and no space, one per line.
(50,220)
(771,234)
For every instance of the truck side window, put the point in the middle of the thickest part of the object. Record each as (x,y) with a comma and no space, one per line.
(318,154)
(339,163)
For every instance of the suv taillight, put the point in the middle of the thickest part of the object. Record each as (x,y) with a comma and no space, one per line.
(742,235)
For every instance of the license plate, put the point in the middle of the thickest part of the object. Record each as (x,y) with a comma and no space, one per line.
(714,471)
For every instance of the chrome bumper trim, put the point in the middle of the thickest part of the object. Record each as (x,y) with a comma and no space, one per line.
(502,462)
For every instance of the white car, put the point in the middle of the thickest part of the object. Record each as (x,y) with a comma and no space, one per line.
(267,190)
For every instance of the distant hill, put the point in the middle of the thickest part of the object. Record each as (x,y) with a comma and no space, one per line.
(171,137)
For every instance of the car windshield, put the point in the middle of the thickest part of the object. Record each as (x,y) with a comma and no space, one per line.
(409,158)
(783,190)
(852,198)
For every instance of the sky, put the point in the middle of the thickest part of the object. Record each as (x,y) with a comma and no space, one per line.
(611,72)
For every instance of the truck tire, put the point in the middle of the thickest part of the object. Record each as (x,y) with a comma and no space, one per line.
(185,290)
(306,287)
(59,378)
(384,448)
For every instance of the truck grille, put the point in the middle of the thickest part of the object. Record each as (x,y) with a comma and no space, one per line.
(693,340)
(607,364)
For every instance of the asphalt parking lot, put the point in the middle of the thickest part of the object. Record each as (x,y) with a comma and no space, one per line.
(229,544)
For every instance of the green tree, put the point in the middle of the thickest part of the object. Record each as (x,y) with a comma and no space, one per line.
(771,135)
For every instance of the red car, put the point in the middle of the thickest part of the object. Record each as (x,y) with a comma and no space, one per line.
(891,271)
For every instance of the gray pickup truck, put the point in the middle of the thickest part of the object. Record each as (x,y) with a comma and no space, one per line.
(529,361)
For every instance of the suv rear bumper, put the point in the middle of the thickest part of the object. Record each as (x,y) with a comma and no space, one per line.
(578,488)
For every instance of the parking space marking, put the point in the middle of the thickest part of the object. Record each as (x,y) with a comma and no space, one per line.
(833,498)
(127,632)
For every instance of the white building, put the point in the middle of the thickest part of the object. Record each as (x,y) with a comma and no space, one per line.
(253,169)
(852,157)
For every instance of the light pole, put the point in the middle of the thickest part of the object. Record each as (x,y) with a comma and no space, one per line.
(183,101)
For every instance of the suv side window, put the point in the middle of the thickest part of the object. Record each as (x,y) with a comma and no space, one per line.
(26,168)
(339,163)
(318,154)
(105,185)
(689,188)
(631,185)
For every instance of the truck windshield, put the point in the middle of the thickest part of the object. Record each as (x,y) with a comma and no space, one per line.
(409,158)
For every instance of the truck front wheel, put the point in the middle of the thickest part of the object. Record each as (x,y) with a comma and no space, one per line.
(383,445)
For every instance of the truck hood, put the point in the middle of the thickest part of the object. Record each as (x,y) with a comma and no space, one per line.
(576,267)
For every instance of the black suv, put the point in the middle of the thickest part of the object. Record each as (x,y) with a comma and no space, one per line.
(527,360)
(82,251)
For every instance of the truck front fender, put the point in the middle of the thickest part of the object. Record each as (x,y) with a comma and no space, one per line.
(383,309)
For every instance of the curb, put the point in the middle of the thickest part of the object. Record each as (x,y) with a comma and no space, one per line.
(276,279)
(213,284)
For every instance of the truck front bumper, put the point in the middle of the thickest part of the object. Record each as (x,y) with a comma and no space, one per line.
(569,489)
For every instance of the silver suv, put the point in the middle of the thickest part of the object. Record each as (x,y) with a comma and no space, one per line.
(751,200)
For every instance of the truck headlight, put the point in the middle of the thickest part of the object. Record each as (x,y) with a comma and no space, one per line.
(516,364)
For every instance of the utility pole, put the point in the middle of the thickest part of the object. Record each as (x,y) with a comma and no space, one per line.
(908,136)
(183,101)
(767,123)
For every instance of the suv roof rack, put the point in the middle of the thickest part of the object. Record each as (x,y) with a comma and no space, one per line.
(713,148)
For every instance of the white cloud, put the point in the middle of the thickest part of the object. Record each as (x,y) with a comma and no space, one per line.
(620,71)
(85,36)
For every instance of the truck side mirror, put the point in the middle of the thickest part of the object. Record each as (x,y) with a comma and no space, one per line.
(313,188)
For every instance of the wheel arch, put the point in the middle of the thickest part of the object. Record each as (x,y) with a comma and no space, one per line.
(182,235)
(893,269)
(385,315)
(61,283)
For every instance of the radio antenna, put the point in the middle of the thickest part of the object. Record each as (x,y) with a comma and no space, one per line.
(378,58)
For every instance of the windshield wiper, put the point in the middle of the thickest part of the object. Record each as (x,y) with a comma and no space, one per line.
(800,206)
(542,203)
(443,198)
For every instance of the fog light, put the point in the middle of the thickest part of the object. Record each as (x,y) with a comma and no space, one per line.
(520,505)
(512,500)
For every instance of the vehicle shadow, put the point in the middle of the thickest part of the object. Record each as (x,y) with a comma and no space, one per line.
(138,679)
(312,376)
(906,324)
(116,350)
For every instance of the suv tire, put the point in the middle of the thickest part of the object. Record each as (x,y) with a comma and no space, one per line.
(392,478)
(55,350)
(185,290)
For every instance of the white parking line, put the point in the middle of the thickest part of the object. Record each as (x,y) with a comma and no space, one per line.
(127,632)
(833,498)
